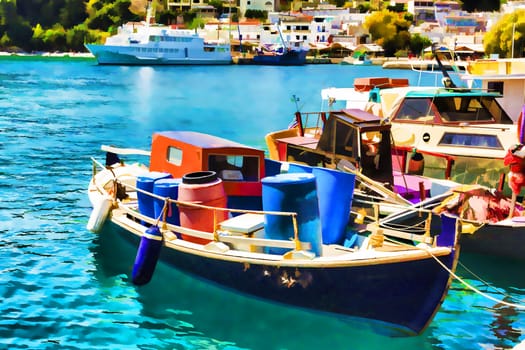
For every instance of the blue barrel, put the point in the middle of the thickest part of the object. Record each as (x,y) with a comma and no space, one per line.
(167,188)
(145,182)
(335,190)
(292,193)
(299,168)
(271,167)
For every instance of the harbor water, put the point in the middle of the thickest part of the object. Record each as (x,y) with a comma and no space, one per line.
(64,287)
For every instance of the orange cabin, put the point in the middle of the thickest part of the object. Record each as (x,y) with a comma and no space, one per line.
(240,167)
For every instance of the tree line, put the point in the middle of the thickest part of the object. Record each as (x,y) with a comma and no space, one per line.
(65,25)
(61,25)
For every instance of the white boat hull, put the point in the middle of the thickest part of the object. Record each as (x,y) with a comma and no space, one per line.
(132,55)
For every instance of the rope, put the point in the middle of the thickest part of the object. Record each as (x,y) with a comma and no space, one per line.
(376,239)
(162,214)
(462,281)
(471,287)
(485,283)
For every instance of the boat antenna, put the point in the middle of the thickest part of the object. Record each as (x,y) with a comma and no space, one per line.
(447,81)
(296,99)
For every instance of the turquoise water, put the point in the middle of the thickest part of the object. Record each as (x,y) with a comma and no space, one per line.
(63,287)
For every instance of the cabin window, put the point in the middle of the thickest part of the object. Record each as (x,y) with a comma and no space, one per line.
(175,155)
(467,108)
(470,140)
(495,86)
(345,140)
(235,167)
(415,109)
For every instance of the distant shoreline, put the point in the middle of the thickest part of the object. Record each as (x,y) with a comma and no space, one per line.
(385,62)
(47,56)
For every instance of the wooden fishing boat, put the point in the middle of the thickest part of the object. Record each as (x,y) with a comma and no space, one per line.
(360,142)
(220,211)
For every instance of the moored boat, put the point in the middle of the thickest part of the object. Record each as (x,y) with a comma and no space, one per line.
(232,217)
(503,75)
(462,134)
(280,56)
(284,53)
(360,142)
(151,44)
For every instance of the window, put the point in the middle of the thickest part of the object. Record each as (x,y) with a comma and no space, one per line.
(174,155)
(466,108)
(235,167)
(471,140)
(415,109)
(495,86)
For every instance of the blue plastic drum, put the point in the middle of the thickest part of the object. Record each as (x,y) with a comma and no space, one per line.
(271,167)
(299,168)
(167,188)
(335,190)
(294,192)
(145,182)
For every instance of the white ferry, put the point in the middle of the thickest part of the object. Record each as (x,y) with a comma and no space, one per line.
(152,44)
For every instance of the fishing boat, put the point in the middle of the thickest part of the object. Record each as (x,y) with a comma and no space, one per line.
(359,142)
(152,44)
(220,211)
(284,53)
(280,56)
(462,134)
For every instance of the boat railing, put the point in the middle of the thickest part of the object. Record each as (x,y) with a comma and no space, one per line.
(373,224)
(216,235)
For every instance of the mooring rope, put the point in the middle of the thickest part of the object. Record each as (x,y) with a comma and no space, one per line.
(465,283)
(485,283)
(472,288)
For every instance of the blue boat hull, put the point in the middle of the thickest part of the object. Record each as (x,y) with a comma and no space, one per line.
(496,240)
(365,292)
(290,58)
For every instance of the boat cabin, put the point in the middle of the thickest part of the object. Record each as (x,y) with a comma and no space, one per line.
(352,135)
(442,106)
(241,168)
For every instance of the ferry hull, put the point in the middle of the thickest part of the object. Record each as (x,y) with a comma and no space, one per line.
(117,55)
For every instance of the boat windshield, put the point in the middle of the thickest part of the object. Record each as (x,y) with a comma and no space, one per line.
(235,167)
(453,109)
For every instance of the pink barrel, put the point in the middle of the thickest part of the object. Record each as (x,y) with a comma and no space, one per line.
(201,187)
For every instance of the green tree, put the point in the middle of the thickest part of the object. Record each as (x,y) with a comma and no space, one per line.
(196,23)
(73,13)
(381,25)
(14,30)
(110,14)
(76,36)
(55,39)
(418,43)
(257,14)
(499,39)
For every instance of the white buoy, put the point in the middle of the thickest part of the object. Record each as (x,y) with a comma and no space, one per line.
(99,214)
